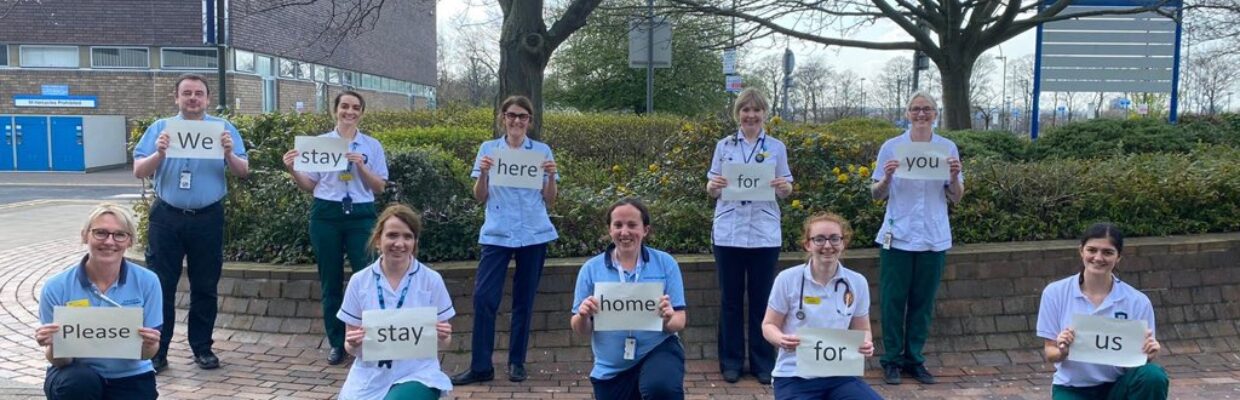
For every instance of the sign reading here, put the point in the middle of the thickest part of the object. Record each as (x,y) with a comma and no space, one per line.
(97,332)
(1108,341)
(400,334)
(749,182)
(830,352)
(320,154)
(195,139)
(517,168)
(628,306)
(923,160)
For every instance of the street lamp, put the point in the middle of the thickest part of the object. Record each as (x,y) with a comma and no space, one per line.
(1004,111)
(862,97)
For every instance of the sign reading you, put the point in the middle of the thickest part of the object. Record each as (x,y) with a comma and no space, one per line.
(97,332)
(195,139)
(923,160)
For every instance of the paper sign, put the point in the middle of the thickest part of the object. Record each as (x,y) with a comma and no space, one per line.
(751,182)
(923,160)
(195,139)
(97,332)
(628,306)
(1108,341)
(830,352)
(400,334)
(517,168)
(320,154)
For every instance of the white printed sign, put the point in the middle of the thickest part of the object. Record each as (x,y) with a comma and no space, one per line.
(400,334)
(195,139)
(97,332)
(517,168)
(1108,341)
(749,182)
(320,154)
(923,160)
(830,352)
(628,306)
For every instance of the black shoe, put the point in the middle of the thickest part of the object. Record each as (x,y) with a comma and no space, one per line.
(160,363)
(731,376)
(921,374)
(891,374)
(516,373)
(207,360)
(336,356)
(470,376)
(764,378)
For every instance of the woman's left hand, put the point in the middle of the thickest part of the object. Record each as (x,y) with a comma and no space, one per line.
(150,336)
(357,159)
(1151,347)
(867,348)
(549,166)
(953,165)
(781,185)
(665,308)
(444,329)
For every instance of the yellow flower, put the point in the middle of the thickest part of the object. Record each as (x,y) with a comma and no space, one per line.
(841,178)
(663,180)
(863,171)
(776,120)
(835,170)
(615,169)
(654,167)
(687,127)
(796,204)
(852,168)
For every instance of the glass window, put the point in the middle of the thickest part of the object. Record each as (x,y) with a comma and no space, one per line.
(120,57)
(320,73)
(50,56)
(190,59)
(288,68)
(304,71)
(348,78)
(333,76)
(264,66)
(243,61)
(4,55)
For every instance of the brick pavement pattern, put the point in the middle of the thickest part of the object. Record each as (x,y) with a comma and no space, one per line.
(291,366)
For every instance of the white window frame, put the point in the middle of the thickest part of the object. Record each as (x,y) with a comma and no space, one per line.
(305,71)
(163,58)
(147,58)
(292,71)
(77,56)
(253,61)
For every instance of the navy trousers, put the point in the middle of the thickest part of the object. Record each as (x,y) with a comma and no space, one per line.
(745,274)
(196,236)
(659,376)
(78,381)
(833,388)
(489,290)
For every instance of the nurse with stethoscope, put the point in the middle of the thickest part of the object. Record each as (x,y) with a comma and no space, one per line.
(821,293)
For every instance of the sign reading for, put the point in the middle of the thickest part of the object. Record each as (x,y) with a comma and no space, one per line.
(749,182)
(97,332)
(195,139)
(1108,341)
(400,334)
(628,306)
(517,168)
(320,154)
(830,352)
(923,160)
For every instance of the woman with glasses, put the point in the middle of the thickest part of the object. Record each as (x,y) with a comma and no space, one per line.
(103,278)
(516,226)
(747,239)
(913,242)
(821,293)
(343,211)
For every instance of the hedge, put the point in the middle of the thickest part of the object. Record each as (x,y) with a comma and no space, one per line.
(1015,190)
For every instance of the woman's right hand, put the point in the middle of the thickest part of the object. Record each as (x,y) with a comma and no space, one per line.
(1064,340)
(889,168)
(788,342)
(485,164)
(354,336)
(43,335)
(588,307)
(289,158)
(717,183)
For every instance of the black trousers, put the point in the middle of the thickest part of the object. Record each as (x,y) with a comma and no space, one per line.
(78,381)
(196,236)
(745,274)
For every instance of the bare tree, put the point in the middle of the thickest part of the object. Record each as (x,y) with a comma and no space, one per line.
(767,74)
(1213,75)
(892,87)
(810,83)
(1216,21)
(952,33)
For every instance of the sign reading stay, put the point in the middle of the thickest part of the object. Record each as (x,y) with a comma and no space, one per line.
(320,154)
(400,334)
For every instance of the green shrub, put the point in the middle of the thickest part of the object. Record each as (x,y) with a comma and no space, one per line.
(998,145)
(1102,138)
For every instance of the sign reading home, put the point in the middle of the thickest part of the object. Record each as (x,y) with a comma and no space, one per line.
(400,334)
(195,139)
(97,332)
(628,306)
(517,168)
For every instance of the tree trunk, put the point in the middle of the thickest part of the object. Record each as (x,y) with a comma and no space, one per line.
(955,78)
(523,58)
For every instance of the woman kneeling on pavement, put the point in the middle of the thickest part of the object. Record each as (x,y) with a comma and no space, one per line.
(633,364)
(396,280)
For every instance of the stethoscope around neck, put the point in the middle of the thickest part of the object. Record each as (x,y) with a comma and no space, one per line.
(800,314)
(738,138)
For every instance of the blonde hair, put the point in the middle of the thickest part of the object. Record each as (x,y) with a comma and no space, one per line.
(749,97)
(121,213)
(925,95)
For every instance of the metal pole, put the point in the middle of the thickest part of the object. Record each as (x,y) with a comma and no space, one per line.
(650,57)
(1006,109)
(220,54)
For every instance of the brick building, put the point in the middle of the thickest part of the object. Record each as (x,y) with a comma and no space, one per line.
(118,58)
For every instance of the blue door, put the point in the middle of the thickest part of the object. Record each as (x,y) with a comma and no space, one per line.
(67,151)
(32,143)
(6,143)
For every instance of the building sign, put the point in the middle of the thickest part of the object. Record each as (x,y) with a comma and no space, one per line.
(55,101)
(55,90)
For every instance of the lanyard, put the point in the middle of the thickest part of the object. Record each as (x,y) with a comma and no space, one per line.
(637,269)
(400,302)
(761,143)
(107,299)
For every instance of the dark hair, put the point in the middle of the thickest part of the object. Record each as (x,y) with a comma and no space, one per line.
(517,100)
(176,88)
(630,201)
(404,214)
(336,102)
(1105,230)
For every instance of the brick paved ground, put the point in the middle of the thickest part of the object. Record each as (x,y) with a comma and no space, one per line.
(275,366)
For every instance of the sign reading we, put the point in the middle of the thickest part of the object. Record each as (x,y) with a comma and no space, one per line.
(97,332)
(517,168)
(195,139)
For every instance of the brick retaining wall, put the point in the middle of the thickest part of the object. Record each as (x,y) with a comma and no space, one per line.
(986,312)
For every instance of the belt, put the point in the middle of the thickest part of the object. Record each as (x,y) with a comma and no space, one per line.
(188,211)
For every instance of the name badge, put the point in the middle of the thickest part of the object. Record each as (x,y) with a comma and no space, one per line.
(78,303)
(630,348)
(815,300)
(186,178)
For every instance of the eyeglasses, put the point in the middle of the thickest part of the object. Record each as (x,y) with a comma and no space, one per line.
(921,110)
(820,241)
(102,234)
(516,116)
